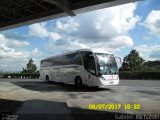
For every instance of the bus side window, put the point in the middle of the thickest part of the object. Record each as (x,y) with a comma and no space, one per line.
(73,58)
(77,59)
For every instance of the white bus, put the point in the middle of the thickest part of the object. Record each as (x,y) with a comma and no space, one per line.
(81,67)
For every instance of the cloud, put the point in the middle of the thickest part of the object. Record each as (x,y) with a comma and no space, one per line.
(2,38)
(104,29)
(12,42)
(18,43)
(9,65)
(36,52)
(121,41)
(54,36)
(68,25)
(14,35)
(152,22)
(40,30)
(149,52)
(9,52)
(13,53)
(116,20)
(7,48)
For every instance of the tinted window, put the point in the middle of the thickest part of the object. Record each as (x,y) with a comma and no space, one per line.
(73,58)
(77,59)
(45,63)
(89,62)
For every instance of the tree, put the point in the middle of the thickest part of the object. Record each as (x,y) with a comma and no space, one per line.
(152,66)
(30,67)
(132,61)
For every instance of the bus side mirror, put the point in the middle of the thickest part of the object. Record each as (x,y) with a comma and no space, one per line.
(120,61)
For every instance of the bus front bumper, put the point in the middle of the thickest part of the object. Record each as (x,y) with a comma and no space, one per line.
(108,82)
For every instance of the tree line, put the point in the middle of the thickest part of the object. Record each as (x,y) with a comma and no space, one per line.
(134,62)
(135,67)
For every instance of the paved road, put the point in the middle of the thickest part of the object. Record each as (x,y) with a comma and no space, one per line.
(145,83)
(149,83)
(38,97)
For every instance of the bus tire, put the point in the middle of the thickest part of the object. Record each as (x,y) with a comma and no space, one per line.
(47,79)
(78,82)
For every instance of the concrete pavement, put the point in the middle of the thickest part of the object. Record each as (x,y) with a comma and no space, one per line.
(43,100)
(44,110)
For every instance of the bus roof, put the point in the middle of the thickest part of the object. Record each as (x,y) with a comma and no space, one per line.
(78,50)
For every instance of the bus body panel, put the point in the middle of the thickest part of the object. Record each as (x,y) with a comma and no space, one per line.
(68,73)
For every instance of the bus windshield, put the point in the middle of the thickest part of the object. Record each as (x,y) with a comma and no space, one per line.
(106,64)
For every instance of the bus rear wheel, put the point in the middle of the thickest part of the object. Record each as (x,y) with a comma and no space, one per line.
(78,82)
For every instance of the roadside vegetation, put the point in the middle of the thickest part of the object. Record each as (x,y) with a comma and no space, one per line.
(135,67)
(29,72)
(31,68)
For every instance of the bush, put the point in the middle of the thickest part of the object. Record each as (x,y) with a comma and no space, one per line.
(139,75)
(22,75)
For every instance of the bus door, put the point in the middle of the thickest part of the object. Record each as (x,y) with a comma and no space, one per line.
(89,65)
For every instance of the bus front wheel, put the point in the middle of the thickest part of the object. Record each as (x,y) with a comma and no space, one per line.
(78,82)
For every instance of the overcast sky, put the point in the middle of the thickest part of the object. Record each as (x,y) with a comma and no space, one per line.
(117,29)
